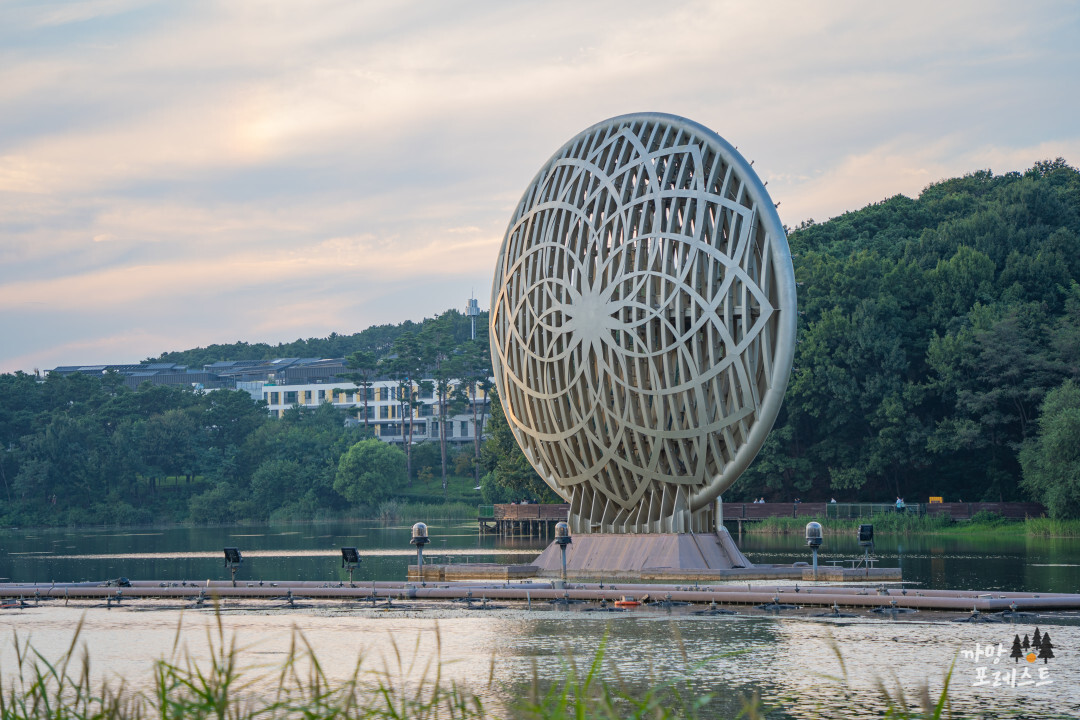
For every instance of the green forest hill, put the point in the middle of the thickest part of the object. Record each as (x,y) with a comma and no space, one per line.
(939,348)
(931,332)
(379,340)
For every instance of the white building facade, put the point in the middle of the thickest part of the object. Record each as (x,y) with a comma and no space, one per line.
(388,417)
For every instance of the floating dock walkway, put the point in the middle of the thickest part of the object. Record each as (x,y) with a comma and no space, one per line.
(861,597)
(457,572)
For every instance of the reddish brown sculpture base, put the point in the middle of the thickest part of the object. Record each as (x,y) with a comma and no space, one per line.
(598,554)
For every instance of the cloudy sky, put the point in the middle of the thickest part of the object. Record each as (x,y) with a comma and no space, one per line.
(174,174)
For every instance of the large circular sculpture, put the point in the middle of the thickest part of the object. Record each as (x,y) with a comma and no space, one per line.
(643,322)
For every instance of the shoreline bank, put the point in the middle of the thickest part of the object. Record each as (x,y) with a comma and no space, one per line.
(898,524)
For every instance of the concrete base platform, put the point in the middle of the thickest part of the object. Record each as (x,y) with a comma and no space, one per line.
(774,572)
(659,557)
(460,572)
(604,555)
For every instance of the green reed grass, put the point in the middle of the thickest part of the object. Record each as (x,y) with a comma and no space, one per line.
(882,522)
(439,511)
(907,523)
(220,689)
(184,689)
(897,705)
(396,510)
(1047,527)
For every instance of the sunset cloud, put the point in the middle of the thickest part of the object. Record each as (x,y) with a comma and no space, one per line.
(177,174)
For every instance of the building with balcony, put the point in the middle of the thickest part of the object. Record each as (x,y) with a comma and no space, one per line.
(389,417)
(283,383)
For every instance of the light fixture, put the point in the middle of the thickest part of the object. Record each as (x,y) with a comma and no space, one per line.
(233,560)
(350,558)
(814,540)
(866,540)
(420,539)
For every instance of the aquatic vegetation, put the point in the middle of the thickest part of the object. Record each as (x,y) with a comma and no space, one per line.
(390,511)
(911,524)
(438,511)
(185,689)
(882,522)
(1048,527)
(224,688)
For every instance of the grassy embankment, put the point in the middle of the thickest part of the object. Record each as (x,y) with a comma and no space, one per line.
(425,500)
(903,524)
(222,689)
(421,500)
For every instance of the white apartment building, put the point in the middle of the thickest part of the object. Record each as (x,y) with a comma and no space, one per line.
(384,409)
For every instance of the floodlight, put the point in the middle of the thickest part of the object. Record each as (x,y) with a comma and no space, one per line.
(866,540)
(420,539)
(233,558)
(814,540)
(350,558)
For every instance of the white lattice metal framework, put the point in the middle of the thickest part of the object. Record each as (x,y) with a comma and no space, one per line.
(643,322)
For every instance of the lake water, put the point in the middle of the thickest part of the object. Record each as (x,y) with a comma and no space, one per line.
(793,662)
(1001,561)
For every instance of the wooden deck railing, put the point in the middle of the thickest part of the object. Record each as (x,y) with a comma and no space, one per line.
(759,511)
(531,512)
(958,511)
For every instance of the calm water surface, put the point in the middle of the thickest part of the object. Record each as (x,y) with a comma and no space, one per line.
(312,552)
(810,667)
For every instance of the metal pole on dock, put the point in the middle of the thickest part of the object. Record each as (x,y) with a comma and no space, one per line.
(419,539)
(814,539)
(562,537)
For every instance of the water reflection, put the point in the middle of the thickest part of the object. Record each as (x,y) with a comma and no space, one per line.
(985,562)
(810,668)
(308,552)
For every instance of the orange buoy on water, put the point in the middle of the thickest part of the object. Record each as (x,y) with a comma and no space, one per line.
(627,601)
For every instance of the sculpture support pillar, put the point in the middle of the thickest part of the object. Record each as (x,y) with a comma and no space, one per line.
(663,512)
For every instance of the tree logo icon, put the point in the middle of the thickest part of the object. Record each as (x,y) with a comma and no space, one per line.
(1038,647)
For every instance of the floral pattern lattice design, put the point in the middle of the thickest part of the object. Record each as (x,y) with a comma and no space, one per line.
(642,320)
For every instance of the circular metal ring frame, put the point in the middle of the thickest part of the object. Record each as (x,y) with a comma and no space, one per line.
(643,319)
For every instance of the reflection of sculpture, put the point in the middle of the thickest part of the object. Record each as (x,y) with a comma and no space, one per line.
(643,322)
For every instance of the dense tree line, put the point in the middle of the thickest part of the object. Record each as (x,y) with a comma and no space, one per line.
(509,477)
(939,347)
(85,449)
(378,340)
(930,332)
(1051,460)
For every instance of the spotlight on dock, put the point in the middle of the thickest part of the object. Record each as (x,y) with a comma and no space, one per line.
(866,540)
(562,539)
(814,540)
(350,558)
(420,539)
(233,560)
